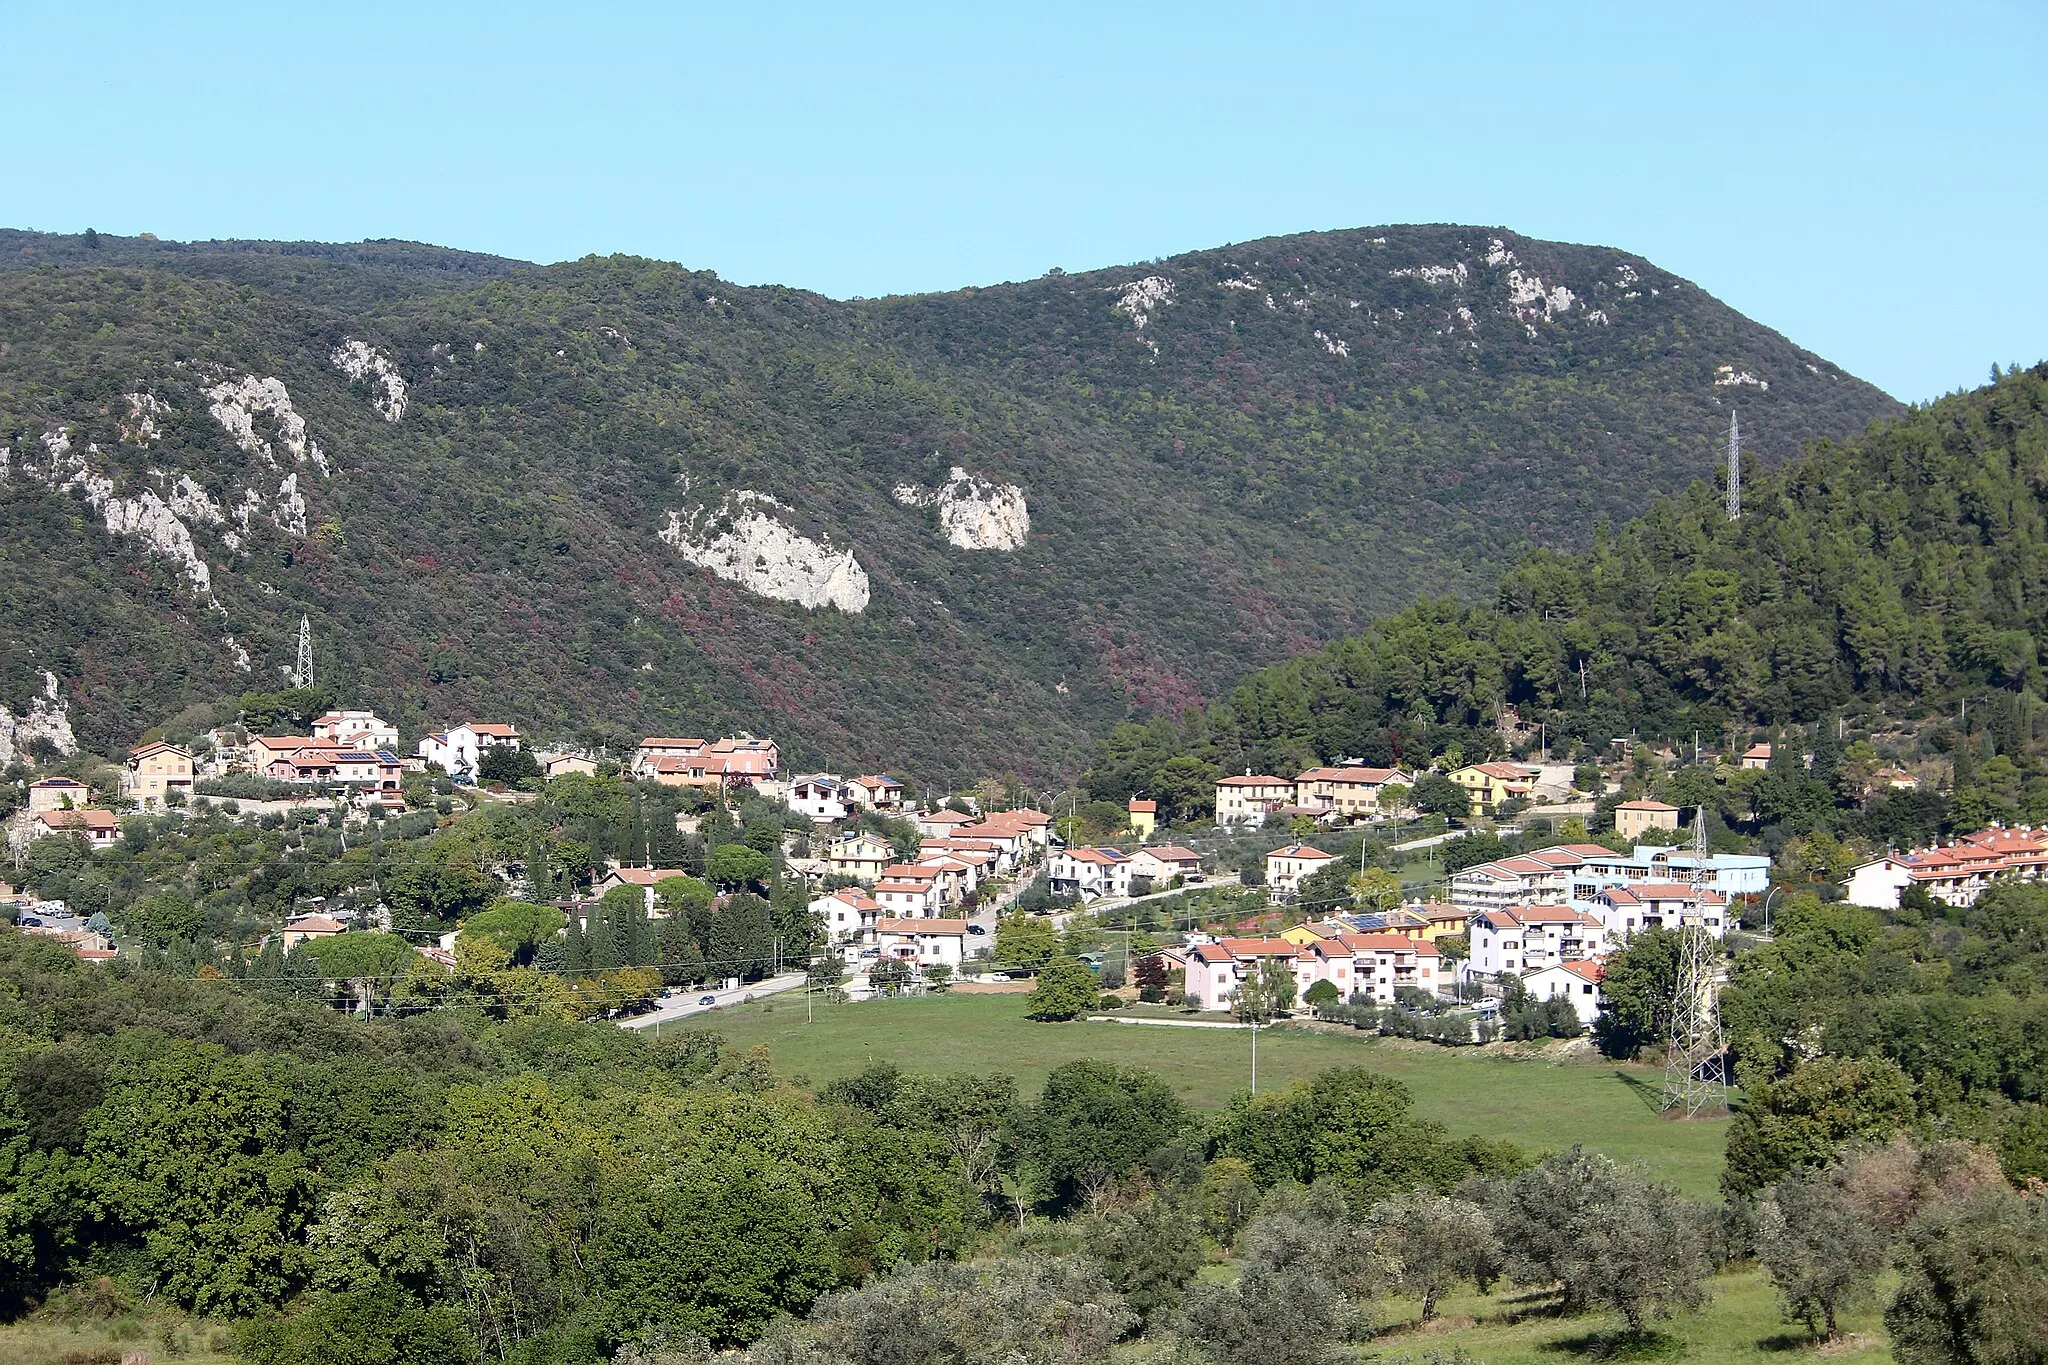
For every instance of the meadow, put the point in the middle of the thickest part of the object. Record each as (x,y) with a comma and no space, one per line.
(1542,1098)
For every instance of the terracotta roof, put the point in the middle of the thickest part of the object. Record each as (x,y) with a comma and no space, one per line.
(897,884)
(645,876)
(1143,807)
(1645,805)
(67,783)
(665,742)
(156,747)
(945,817)
(1595,972)
(1371,777)
(1259,947)
(1301,851)
(1172,853)
(856,898)
(1267,781)
(314,924)
(1392,943)
(91,818)
(951,927)
(485,727)
(877,781)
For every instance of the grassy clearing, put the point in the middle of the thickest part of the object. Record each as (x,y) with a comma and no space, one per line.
(1742,1326)
(1539,1101)
(159,1338)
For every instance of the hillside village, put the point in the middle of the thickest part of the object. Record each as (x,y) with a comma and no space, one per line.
(903,892)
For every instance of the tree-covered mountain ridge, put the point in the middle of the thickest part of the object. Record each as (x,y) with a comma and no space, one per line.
(1898,574)
(949,533)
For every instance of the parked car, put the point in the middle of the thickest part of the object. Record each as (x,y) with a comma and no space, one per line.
(977,929)
(31,922)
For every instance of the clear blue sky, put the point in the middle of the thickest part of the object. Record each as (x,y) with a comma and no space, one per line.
(1867,178)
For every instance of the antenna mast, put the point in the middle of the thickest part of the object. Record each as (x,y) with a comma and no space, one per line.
(1695,1063)
(302,674)
(1734,467)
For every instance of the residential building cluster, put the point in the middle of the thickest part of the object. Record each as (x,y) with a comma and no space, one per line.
(1954,873)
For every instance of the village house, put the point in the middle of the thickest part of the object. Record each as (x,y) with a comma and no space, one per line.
(1439,918)
(58,793)
(656,747)
(357,729)
(1526,937)
(1628,909)
(1286,867)
(941,823)
(1009,840)
(1577,981)
(155,772)
(957,877)
(1756,757)
(1372,965)
(1088,872)
(374,770)
(909,893)
(1631,818)
(99,828)
(1489,784)
(1249,799)
(1954,873)
(300,928)
(861,856)
(459,750)
(553,766)
(876,793)
(1572,874)
(646,878)
(1352,791)
(1216,970)
(848,914)
(1894,779)
(821,796)
(1141,817)
(1165,864)
(925,942)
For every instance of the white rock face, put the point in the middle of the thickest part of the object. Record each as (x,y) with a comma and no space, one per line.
(1528,299)
(1140,299)
(236,404)
(47,718)
(145,516)
(744,544)
(1334,345)
(1453,275)
(286,509)
(365,364)
(141,428)
(1728,377)
(974,513)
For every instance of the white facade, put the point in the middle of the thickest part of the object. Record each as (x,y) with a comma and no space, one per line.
(821,796)
(926,942)
(1249,799)
(1285,867)
(1520,940)
(847,914)
(1578,982)
(1089,872)
(459,749)
(357,729)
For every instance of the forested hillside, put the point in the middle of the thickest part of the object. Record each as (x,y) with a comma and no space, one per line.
(948,533)
(1897,574)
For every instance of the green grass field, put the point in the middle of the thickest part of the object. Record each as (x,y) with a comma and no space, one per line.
(1741,1326)
(1540,1102)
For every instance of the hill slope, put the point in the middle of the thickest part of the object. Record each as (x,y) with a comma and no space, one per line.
(1903,572)
(617,494)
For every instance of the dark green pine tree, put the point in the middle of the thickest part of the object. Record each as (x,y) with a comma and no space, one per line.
(266,973)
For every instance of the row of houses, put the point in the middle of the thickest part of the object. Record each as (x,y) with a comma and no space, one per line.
(1954,873)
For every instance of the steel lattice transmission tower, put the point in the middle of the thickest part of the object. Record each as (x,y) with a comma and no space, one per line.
(302,673)
(1696,1059)
(1734,467)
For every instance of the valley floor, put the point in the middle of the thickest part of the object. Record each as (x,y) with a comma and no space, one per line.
(1542,1098)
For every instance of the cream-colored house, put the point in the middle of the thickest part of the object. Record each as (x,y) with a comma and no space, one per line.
(58,793)
(1631,818)
(1353,791)
(156,770)
(1250,799)
(1285,867)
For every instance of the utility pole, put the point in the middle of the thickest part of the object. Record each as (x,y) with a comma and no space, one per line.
(1734,467)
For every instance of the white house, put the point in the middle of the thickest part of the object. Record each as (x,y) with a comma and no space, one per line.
(1628,910)
(1530,936)
(906,892)
(926,942)
(874,792)
(357,729)
(458,751)
(1286,867)
(822,796)
(1373,965)
(942,823)
(1088,872)
(1161,863)
(1954,873)
(848,914)
(1577,981)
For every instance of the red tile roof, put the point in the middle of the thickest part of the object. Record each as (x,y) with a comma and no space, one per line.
(951,927)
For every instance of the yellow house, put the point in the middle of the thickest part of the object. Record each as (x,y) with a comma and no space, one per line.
(1144,817)
(156,770)
(1489,784)
(1444,920)
(1631,818)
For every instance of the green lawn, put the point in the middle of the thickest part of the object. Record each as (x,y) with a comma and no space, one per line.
(1741,1326)
(1540,1103)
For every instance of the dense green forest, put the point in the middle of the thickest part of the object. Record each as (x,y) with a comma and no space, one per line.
(1884,581)
(1228,457)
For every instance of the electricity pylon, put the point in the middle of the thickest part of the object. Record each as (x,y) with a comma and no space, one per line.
(1734,467)
(302,674)
(1695,1060)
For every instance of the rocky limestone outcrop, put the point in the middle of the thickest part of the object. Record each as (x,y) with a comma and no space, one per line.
(141,428)
(365,364)
(974,513)
(145,515)
(236,404)
(47,718)
(742,542)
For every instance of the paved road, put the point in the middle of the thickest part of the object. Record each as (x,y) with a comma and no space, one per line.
(684,1003)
